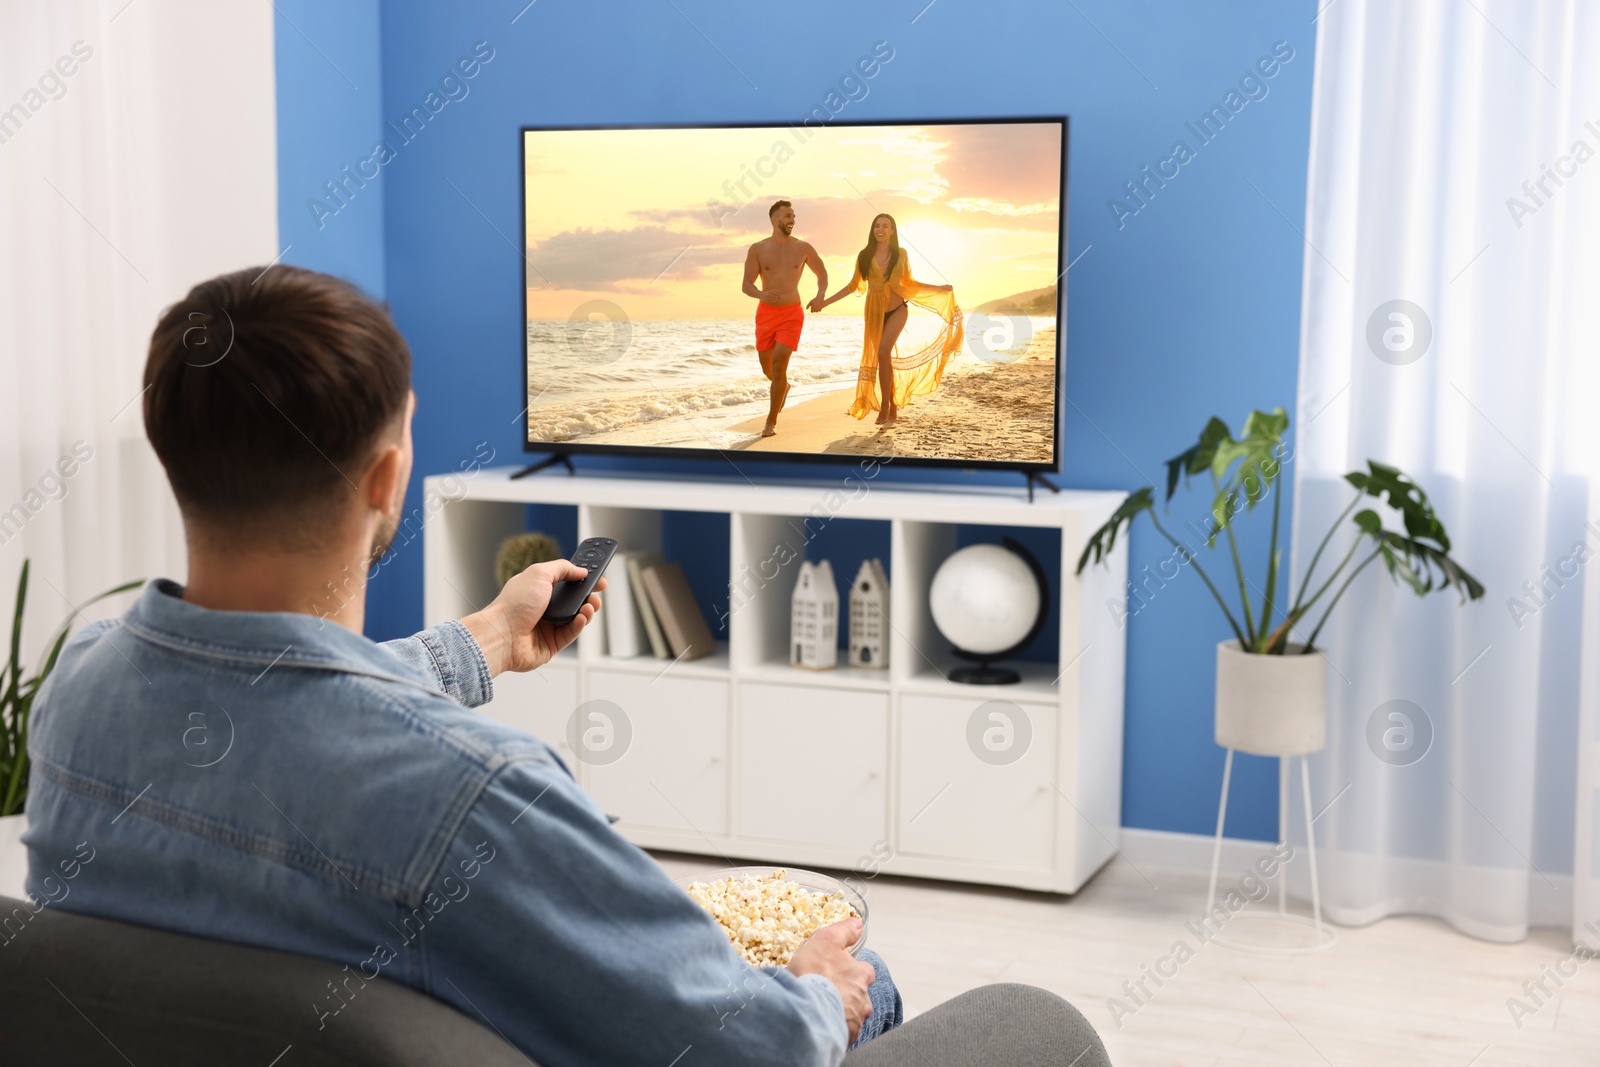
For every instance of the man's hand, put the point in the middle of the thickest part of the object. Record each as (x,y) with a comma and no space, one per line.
(817,304)
(511,630)
(826,953)
(779,296)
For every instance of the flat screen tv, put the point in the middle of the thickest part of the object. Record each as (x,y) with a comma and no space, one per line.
(673,280)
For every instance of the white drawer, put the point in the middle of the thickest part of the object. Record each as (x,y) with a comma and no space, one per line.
(995,807)
(812,765)
(672,767)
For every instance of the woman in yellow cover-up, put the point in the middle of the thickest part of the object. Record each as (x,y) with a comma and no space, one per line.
(888,378)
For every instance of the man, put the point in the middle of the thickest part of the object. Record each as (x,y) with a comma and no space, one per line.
(250,770)
(778,261)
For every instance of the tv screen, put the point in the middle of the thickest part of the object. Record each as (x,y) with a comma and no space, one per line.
(823,292)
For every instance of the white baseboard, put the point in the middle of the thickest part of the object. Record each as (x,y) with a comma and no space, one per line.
(1190,852)
(1411,886)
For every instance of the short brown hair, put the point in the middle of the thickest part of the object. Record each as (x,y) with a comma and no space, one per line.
(266,392)
(773,210)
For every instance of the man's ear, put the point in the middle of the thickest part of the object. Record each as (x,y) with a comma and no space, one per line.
(382,481)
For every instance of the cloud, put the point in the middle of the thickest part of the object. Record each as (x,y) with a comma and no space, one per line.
(609,260)
(1003,168)
(1000,207)
(834,225)
(1012,164)
(702,217)
(909,159)
(830,223)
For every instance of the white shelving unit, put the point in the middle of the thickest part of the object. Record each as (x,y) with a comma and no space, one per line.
(740,755)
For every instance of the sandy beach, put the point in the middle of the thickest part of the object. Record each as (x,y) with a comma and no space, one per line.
(983,410)
(1001,411)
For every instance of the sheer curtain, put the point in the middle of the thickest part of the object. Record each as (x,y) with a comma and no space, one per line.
(137,156)
(1449,328)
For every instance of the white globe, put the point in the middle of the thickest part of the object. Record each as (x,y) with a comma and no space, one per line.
(984,599)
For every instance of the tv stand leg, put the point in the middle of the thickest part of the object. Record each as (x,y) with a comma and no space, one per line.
(549,461)
(1034,476)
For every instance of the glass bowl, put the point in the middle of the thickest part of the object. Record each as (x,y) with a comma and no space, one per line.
(812,880)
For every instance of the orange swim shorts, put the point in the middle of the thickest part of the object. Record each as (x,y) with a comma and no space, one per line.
(779,324)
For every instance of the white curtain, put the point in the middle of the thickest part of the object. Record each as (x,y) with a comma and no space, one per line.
(1455,165)
(137,157)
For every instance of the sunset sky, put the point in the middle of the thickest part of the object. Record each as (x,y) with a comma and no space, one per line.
(632,216)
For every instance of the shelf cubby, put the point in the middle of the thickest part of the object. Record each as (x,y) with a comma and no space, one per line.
(696,541)
(767,552)
(923,656)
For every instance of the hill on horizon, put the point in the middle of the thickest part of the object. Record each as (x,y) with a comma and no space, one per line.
(1040,302)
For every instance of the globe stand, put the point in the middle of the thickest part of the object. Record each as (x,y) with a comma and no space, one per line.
(986,673)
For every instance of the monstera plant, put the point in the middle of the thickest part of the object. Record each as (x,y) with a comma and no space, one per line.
(1242,473)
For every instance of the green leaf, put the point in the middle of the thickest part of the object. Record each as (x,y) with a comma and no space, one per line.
(1400,566)
(1406,497)
(1198,458)
(1221,514)
(15,663)
(1267,424)
(1246,468)
(1418,564)
(60,637)
(55,653)
(1104,539)
(16,699)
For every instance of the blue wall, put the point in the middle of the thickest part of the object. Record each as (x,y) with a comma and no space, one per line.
(1187,307)
(330,106)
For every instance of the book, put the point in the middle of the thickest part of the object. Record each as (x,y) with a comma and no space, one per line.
(637,561)
(624,625)
(682,622)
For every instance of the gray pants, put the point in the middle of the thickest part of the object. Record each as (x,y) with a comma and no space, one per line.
(991,1026)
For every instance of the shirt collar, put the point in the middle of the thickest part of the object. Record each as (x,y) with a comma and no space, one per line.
(263,638)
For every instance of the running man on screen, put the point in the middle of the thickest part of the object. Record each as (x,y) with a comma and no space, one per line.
(778,261)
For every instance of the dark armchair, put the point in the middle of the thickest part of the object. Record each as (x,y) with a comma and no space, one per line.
(79,990)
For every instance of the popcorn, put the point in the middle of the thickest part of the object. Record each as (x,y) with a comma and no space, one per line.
(768,917)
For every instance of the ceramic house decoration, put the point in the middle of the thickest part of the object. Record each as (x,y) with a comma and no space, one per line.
(814,618)
(869,616)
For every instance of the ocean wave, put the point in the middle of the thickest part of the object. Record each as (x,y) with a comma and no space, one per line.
(696,363)
(555,423)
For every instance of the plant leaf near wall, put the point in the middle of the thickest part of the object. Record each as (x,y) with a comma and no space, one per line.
(16,699)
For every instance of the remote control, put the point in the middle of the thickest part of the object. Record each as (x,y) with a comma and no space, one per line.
(568,597)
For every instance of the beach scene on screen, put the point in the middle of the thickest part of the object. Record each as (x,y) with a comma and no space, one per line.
(639,330)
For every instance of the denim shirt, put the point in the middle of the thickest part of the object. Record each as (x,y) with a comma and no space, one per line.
(272,779)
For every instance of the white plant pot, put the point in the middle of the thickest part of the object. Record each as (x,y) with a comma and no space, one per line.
(13,856)
(1271,705)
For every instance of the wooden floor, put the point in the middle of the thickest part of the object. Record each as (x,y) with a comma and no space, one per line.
(1404,992)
